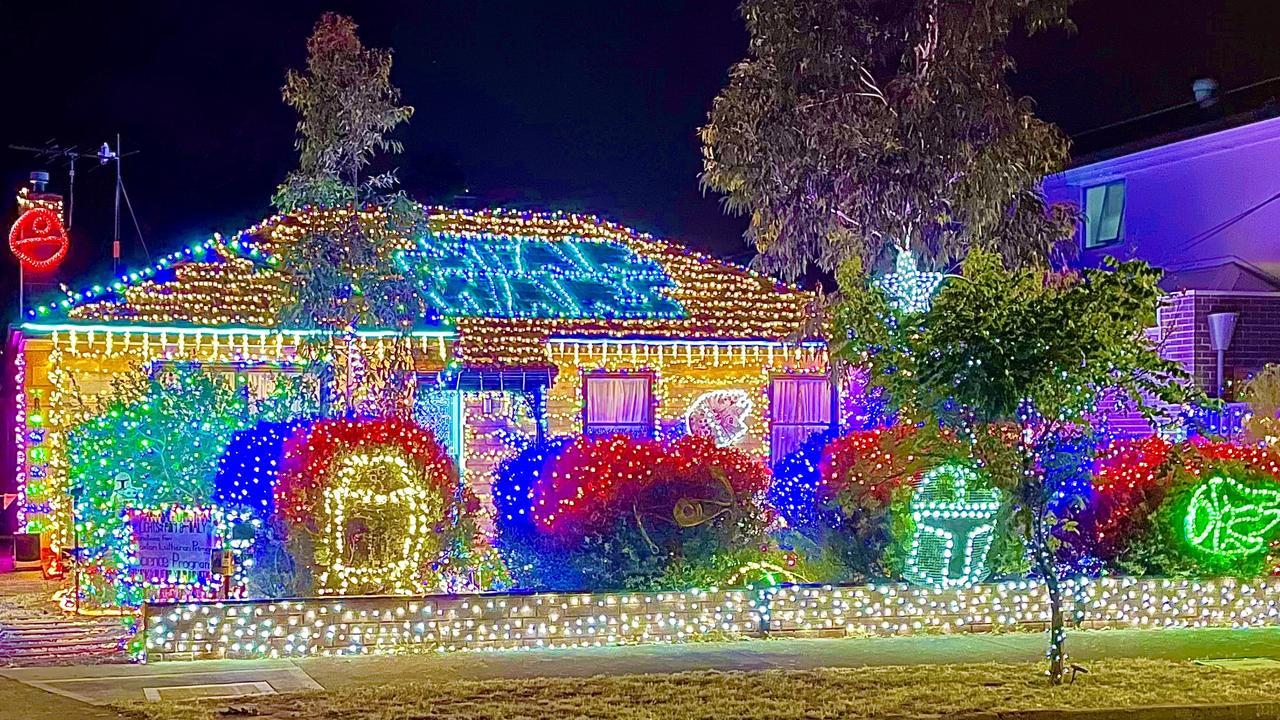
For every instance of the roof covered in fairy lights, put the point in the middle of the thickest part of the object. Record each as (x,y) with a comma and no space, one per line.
(505,280)
(483,275)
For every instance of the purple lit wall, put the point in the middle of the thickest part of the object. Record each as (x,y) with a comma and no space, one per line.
(1207,211)
(1194,205)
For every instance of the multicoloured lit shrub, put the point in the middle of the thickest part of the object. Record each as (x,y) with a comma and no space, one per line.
(153,448)
(1178,509)
(852,501)
(624,513)
(1130,479)
(365,505)
(1220,516)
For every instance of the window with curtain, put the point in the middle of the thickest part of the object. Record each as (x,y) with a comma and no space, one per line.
(258,383)
(799,406)
(1104,214)
(618,404)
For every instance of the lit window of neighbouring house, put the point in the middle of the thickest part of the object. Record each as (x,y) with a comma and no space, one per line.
(799,406)
(618,404)
(1104,214)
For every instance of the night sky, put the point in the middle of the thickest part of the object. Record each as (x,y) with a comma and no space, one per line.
(589,106)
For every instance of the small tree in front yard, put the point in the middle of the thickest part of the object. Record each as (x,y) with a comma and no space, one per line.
(1013,360)
(341,271)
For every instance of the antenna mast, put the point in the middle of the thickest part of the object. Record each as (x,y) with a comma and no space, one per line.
(115,238)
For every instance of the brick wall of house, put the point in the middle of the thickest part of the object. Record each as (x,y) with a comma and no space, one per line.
(1184,326)
(1183,336)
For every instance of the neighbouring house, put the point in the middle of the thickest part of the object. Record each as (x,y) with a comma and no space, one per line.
(540,325)
(1204,205)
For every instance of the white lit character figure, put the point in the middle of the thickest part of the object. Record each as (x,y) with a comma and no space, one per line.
(954,514)
(720,415)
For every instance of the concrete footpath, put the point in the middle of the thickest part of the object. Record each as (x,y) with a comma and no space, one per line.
(58,692)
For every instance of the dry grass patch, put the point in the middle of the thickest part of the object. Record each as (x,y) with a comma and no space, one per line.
(850,694)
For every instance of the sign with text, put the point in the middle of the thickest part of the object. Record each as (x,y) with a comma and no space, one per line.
(175,543)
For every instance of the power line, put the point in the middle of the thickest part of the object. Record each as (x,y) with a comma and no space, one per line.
(1200,237)
(1171,108)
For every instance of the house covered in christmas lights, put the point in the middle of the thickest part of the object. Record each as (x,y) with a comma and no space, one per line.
(538,325)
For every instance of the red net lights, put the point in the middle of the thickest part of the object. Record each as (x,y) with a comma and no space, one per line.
(1130,481)
(310,455)
(1128,465)
(38,239)
(870,462)
(583,487)
(1259,458)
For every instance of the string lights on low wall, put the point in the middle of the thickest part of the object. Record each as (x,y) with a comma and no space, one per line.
(364,626)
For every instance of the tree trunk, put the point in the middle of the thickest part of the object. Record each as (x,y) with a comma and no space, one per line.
(1047,565)
(1057,629)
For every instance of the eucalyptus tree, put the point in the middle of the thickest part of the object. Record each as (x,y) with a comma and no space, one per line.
(341,273)
(856,126)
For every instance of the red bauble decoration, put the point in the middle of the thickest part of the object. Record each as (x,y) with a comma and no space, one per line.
(38,239)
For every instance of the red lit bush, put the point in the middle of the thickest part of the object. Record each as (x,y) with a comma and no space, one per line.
(622,513)
(868,465)
(1132,522)
(374,505)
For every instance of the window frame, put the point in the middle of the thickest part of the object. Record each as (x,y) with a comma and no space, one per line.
(816,426)
(1106,186)
(646,430)
(238,374)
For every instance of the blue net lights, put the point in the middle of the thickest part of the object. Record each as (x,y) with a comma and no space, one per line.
(485,275)
(794,491)
(513,484)
(1066,460)
(248,470)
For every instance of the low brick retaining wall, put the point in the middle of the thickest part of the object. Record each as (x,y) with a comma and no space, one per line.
(378,624)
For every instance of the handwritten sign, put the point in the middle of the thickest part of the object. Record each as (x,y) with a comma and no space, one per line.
(173,545)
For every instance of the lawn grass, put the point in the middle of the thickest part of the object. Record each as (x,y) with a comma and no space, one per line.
(938,690)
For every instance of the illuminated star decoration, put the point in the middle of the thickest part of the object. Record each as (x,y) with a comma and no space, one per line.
(910,291)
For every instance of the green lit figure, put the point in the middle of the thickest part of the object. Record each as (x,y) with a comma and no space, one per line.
(954,525)
(1228,518)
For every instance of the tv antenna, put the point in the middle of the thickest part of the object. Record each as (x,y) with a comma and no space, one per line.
(104,155)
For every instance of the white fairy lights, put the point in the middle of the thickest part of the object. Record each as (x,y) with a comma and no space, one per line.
(376,625)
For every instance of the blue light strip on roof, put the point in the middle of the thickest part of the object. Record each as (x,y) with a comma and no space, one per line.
(197,252)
